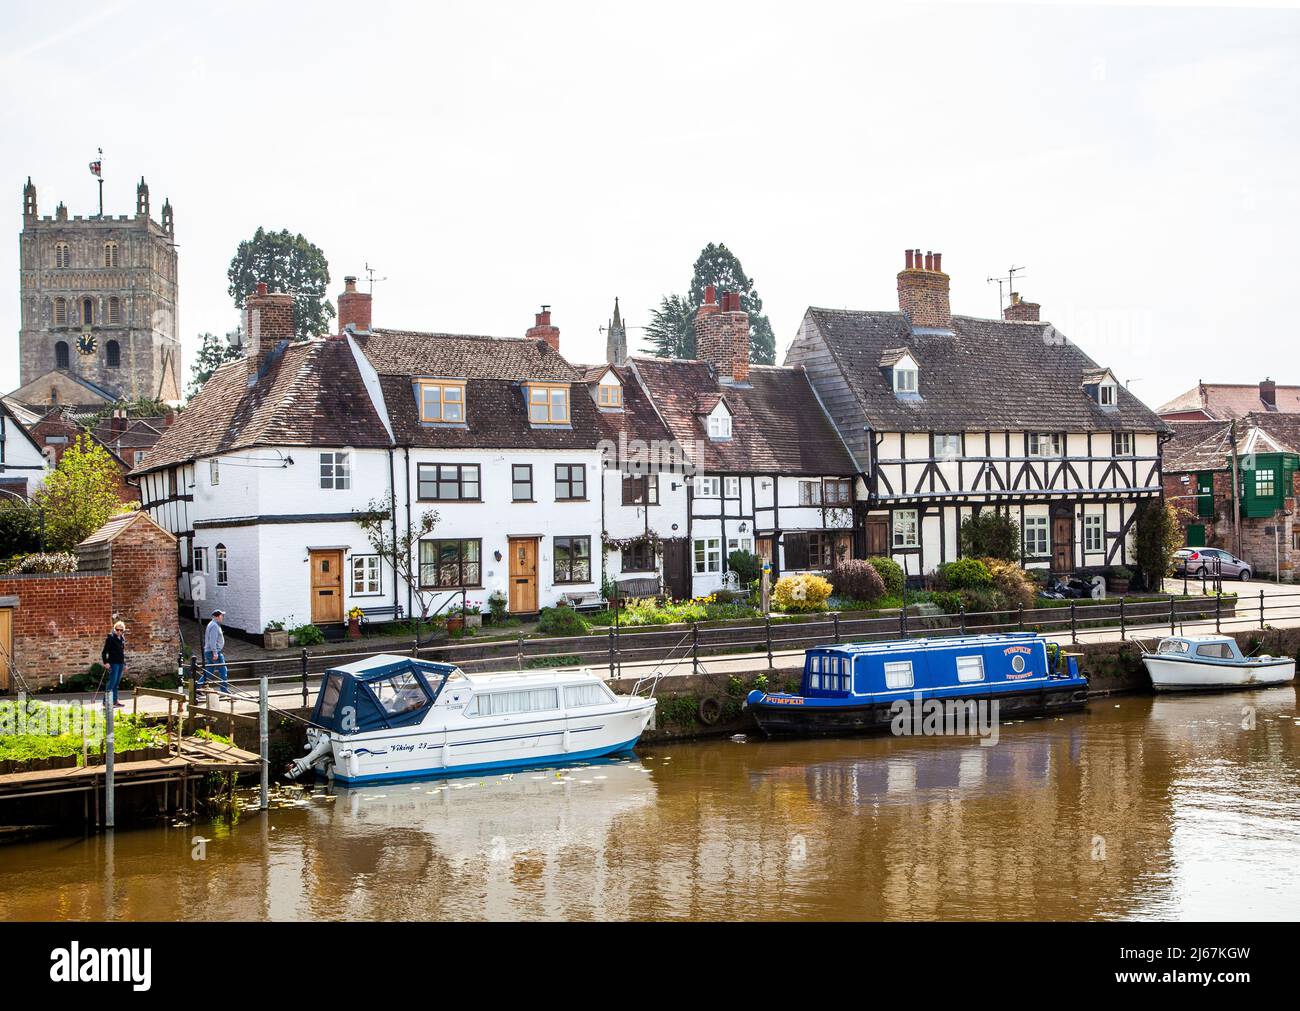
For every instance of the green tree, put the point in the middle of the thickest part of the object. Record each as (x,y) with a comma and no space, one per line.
(286,263)
(80,495)
(20,527)
(671,330)
(1158,535)
(990,534)
(213,351)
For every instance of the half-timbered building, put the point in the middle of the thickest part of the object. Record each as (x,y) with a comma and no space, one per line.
(948,415)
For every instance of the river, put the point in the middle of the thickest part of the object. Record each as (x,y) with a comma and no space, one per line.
(1140,808)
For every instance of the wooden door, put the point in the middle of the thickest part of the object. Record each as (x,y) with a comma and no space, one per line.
(1063,544)
(326,587)
(523,575)
(6,647)
(677,572)
(877,536)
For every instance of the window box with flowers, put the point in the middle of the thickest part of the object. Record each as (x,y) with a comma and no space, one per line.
(473,614)
(275,636)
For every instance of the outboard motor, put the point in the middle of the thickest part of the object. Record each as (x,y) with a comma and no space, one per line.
(318,749)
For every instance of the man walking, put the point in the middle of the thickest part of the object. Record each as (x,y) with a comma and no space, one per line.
(214,655)
(113,656)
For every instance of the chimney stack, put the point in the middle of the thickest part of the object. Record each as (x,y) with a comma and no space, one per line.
(923,290)
(268,319)
(1268,394)
(1020,310)
(354,308)
(542,330)
(722,335)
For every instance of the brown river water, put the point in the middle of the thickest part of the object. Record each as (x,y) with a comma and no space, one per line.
(1140,808)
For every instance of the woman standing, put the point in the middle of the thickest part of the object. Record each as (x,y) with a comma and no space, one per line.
(114,655)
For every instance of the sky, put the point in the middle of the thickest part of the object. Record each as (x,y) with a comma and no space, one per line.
(1140,164)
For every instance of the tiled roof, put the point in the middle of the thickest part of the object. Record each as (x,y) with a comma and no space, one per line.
(778,424)
(311,394)
(1207,445)
(992,374)
(1231,400)
(461,356)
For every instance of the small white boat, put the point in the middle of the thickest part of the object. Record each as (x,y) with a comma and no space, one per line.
(1191,662)
(392,717)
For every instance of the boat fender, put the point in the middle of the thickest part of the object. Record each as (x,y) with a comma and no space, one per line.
(710,710)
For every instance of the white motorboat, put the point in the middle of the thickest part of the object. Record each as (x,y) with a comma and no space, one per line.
(1192,662)
(392,717)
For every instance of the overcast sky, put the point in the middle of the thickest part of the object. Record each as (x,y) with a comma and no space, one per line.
(1140,163)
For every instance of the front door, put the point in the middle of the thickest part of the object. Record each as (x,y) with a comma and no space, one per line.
(1063,543)
(877,537)
(523,575)
(6,647)
(326,587)
(677,573)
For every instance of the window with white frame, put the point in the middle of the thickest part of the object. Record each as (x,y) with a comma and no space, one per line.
(906,380)
(740,544)
(720,423)
(708,555)
(223,571)
(1093,533)
(707,487)
(810,493)
(1265,486)
(947,446)
(906,528)
(1044,444)
(1107,393)
(335,471)
(214,472)
(731,487)
(898,675)
(1035,536)
(970,668)
(365,575)
(1121,443)
(200,559)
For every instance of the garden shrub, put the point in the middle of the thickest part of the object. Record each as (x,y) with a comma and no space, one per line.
(965,574)
(1014,584)
(746,565)
(857,579)
(892,574)
(990,534)
(307,635)
(949,601)
(561,621)
(982,599)
(805,592)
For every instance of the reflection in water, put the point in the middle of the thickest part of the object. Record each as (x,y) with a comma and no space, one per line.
(1140,808)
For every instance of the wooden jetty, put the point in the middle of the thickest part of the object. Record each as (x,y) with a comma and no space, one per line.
(186,758)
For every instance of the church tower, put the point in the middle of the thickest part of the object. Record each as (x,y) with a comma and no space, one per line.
(616,339)
(97,298)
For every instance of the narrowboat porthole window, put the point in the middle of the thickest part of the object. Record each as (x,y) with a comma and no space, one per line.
(970,668)
(899,675)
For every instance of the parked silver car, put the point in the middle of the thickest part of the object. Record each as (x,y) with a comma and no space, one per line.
(1212,561)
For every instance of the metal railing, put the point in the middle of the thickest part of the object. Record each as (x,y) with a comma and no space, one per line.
(639,651)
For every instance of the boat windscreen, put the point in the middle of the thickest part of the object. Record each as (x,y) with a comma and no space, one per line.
(400,693)
(1173,646)
(329,696)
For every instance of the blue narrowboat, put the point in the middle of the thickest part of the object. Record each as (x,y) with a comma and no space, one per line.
(853,688)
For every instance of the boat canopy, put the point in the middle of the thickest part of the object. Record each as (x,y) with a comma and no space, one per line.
(1207,647)
(378,692)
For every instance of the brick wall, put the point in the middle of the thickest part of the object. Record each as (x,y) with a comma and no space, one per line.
(60,622)
(1268,544)
(923,290)
(143,563)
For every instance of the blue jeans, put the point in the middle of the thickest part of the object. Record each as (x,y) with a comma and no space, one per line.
(214,666)
(115,678)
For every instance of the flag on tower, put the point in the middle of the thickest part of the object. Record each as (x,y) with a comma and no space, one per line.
(95,169)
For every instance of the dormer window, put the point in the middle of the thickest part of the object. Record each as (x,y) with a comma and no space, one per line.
(548,405)
(1106,394)
(1101,386)
(442,402)
(609,396)
(720,423)
(905,380)
(901,370)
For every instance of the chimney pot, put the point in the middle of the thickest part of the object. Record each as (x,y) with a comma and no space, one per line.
(349,283)
(542,330)
(938,261)
(710,295)
(261,288)
(1268,392)
(923,295)
(907,255)
(929,260)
